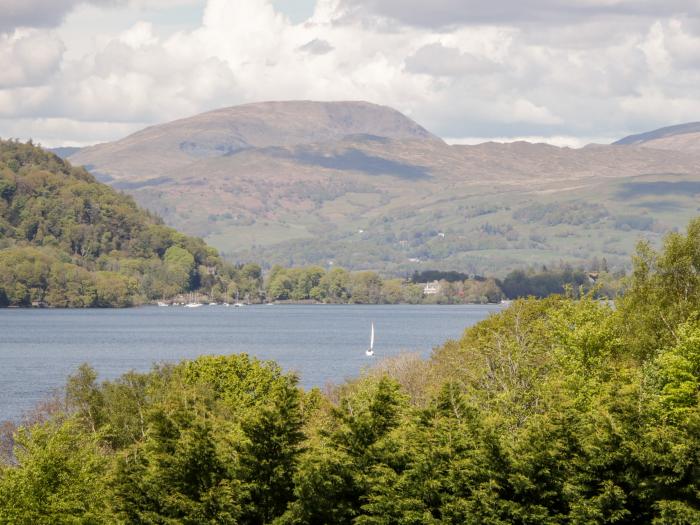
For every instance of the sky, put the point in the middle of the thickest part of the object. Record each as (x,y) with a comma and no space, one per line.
(567,72)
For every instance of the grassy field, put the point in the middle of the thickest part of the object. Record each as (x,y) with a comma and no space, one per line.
(234,238)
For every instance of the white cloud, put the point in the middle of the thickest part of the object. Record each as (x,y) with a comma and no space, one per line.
(28,58)
(24,101)
(140,35)
(511,75)
(450,13)
(50,13)
(317,47)
(66,132)
(567,141)
(438,60)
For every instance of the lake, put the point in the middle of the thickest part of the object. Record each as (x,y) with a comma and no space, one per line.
(323,343)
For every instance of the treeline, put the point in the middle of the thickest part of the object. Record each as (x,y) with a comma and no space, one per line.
(67,240)
(338,286)
(448,287)
(437,275)
(554,411)
(341,286)
(556,280)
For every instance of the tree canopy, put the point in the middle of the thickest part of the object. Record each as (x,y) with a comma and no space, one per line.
(68,240)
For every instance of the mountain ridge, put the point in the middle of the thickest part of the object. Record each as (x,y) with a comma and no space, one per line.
(666,131)
(226,131)
(294,183)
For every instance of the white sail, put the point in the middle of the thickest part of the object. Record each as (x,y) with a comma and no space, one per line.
(370,351)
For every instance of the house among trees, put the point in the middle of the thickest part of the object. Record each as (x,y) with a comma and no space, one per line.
(431,288)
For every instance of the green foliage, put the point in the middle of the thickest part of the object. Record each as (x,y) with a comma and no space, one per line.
(178,474)
(237,381)
(338,285)
(675,374)
(565,410)
(268,457)
(179,265)
(552,214)
(70,241)
(436,275)
(334,479)
(59,477)
(663,290)
(520,283)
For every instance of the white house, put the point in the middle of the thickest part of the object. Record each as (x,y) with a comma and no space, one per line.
(431,288)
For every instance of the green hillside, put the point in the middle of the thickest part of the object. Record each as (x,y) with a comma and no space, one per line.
(362,187)
(493,233)
(67,240)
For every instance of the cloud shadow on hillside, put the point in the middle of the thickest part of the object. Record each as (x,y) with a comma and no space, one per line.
(356,160)
(630,190)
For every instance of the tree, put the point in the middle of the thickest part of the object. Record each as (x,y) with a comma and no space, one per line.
(332,481)
(59,477)
(280,286)
(335,285)
(180,473)
(663,290)
(366,288)
(85,398)
(180,265)
(269,455)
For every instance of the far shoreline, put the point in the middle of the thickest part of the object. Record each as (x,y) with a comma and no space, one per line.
(285,303)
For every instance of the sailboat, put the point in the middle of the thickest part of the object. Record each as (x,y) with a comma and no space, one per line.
(194,303)
(370,351)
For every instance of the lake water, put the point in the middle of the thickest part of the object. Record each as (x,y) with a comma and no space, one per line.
(323,343)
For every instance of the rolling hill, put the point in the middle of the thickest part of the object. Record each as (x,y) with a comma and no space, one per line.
(67,240)
(682,137)
(361,185)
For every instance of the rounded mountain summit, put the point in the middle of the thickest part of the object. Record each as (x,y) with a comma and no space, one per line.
(230,130)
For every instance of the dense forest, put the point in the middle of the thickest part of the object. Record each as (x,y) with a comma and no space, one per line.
(555,411)
(67,240)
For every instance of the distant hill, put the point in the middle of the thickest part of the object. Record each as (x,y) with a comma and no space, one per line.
(225,132)
(67,240)
(682,137)
(64,152)
(361,185)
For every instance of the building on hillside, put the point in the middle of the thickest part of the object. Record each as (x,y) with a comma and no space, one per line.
(431,288)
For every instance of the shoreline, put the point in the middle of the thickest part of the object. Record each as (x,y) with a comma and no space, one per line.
(204,305)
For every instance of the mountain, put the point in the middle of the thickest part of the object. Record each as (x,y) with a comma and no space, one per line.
(682,137)
(68,240)
(360,185)
(225,132)
(65,151)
